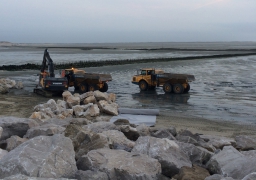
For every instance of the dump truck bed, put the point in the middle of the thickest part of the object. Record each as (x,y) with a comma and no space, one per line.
(176,76)
(93,76)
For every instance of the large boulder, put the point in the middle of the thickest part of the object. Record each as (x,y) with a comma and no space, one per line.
(15,126)
(192,173)
(2,153)
(42,156)
(99,127)
(130,132)
(49,104)
(119,164)
(1,131)
(91,175)
(251,176)
(251,153)
(44,130)
(66,95)
(217,141)
(81,110)
(3,89)
(230,162)
(218,177)
(14,141)
(85,140)
(23,177)
(143,130)
(163,133)
(90,99)
(198,155)
(100,95)
(245,143)
(73,101)
(118,140)
(166,151)
(108,108)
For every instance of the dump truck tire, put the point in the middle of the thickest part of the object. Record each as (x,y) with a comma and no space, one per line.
(105,88)
(178,88)
(143,85)
(187,89)
(167,88)
(83,87)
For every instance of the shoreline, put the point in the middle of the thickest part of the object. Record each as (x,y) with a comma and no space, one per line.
(84,64)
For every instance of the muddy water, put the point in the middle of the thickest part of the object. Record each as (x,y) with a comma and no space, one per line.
(224,89)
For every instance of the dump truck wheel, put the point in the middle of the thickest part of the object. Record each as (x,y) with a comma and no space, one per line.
(178,88)
(187,89)
(105,88)
(167,88)
(143,85)
(83,87)
(91,87)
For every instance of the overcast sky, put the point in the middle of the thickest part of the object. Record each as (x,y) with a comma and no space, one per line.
(99,21)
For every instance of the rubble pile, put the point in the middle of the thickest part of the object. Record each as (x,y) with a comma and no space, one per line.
(6,84)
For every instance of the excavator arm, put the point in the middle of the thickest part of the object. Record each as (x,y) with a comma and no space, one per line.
(47,60)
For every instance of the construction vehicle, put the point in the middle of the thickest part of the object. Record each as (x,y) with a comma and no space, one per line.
(150,78)
(83,81)
(48,84)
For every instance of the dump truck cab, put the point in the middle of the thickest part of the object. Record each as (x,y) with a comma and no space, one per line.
(150,78)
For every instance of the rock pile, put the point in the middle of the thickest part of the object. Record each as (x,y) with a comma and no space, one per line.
(67,142)
(88,105)
(6,84)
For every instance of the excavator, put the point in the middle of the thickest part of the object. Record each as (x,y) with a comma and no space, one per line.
(48,84)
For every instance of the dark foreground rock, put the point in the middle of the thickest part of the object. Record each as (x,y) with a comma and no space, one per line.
(42,156)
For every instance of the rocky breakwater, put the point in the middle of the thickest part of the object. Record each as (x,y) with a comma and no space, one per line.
(6,84)
(73,139)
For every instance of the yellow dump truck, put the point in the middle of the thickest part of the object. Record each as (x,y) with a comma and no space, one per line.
(150,78)
(83,81)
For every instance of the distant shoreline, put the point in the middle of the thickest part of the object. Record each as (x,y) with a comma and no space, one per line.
(84,64)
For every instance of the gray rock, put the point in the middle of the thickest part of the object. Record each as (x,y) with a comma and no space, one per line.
(217,141)
(218,177)
(73,101)
(119,164)
(198,155)
(100,95)
(251,176)
(118,140)
(2,153)
(80,110)
(3,89)
(122,122)
(44,130)
(1,131)
(166,151)
(192,173)
(15,126)
(91,175)
(231,163)
(130,132)
(42,156)
(85,95)
(108,108)
(251,153)
(163,133)
(245,143)
(99,127)
(143,130)
(85,141)
(23,177)
(90,99)
(93,110)
(66,95)
(14,141)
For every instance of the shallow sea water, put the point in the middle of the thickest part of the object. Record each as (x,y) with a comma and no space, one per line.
(224,89)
